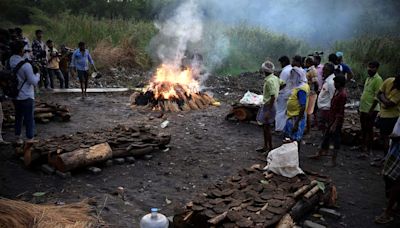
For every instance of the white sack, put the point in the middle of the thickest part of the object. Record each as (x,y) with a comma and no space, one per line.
(284,160)
(251,98)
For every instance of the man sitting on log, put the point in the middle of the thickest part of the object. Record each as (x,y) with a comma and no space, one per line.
(266,114)
(296,104)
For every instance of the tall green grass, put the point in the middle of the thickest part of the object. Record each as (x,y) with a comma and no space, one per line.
(69,30)
(250,46)
(245,47)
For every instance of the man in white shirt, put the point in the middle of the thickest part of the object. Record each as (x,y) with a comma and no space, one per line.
(326,94)
(280,118)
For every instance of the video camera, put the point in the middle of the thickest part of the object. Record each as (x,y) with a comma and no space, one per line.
(317,53)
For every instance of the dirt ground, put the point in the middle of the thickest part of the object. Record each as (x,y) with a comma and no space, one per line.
(204,149)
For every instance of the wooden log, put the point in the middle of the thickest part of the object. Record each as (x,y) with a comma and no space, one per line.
(175,106)
(43,110)
(185,107)
(65,116)
(304,206)
(312,192)
(198,101)
(133,152)
(83,157)
(192,104)
(304,188)
(243,114)
(217,219)
(44,115)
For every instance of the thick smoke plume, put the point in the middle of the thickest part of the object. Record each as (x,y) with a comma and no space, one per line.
(198,26)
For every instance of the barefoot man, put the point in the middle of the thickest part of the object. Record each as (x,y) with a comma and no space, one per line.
(81,59)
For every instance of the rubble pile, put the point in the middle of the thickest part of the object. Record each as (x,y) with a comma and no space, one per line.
(253,198)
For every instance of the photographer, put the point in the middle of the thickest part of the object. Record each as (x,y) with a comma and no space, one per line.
(24,102)
(39,57)
(53,67)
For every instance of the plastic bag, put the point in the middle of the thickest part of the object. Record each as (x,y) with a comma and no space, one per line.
(251,98)
(284,160)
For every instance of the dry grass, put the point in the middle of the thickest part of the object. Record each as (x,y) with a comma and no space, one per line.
(22,214)
(123,55)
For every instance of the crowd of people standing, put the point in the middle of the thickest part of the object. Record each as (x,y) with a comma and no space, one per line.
(310,94)
(37,64)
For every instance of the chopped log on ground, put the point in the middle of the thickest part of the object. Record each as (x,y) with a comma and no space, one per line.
(243,112)
(69,152)
(248,199)
(83,157)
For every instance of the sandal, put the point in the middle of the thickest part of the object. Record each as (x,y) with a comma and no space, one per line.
(383,219)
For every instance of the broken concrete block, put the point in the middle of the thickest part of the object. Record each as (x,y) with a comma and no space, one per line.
(119,161)
(47,169)
(63,175)
(94,170)
(130,160)
(310,224)
(330,212)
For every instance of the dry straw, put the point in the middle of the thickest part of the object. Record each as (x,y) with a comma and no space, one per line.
(22,214)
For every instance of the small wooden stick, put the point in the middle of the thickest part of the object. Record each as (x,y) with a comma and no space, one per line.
(311,192)
(188,216)
(217,219)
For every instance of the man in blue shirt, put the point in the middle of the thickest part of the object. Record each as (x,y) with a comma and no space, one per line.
(81,59)
(346,70)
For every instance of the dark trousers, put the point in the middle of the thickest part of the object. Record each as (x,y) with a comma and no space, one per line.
(24,114)
(329,137)
(323,119)
(44,77)
(65,73)
(58,74)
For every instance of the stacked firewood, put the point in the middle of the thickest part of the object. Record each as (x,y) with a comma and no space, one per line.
(44,112)
(253,199)
(194,101)
(69,152)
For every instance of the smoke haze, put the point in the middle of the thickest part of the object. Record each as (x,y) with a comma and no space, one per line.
(189,24)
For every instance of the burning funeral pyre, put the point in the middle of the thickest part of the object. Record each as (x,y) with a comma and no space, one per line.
(173,89)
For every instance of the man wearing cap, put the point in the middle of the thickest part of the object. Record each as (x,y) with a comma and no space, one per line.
(266,114)
(346,70)
(335,120)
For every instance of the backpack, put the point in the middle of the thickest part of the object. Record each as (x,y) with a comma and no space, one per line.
(9,80)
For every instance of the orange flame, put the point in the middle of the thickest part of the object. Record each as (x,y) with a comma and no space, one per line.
(172,82)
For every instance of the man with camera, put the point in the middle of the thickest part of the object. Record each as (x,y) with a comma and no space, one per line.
(53,67)
(39,57)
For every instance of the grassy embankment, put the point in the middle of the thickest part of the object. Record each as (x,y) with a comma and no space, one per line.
(124,43)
